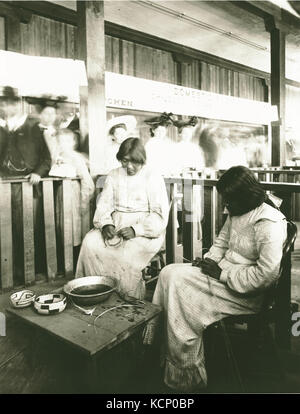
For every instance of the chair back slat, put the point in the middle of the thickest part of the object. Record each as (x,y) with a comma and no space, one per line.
(28,233)
(50,234)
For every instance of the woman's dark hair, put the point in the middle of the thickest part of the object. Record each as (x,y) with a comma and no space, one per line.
(239,184)
(134,148)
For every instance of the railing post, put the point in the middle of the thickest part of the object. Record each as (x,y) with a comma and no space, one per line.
(188,219)
(6,237)
(171,234)
(50,234)
(207,235)
(28,233)
(68,227)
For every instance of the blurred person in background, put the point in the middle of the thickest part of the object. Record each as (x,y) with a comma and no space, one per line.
(188,154)
(70,163)
(23,151)
(160,149)
(46,109)
(118,129)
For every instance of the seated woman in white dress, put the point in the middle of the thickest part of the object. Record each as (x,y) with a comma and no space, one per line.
(243,261)
(130,222)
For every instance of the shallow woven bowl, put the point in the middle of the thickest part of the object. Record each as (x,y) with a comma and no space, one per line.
(90,284)
(50,304)
(22,299)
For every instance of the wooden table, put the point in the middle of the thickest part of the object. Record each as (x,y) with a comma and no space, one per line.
(91,339)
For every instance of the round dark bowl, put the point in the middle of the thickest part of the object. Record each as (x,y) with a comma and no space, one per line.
(90,290)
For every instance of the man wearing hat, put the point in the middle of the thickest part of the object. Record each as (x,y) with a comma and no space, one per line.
(22,151)
(45,125)
(160,148)
(117,130)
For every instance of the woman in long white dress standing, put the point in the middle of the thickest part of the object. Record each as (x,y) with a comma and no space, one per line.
(133,209)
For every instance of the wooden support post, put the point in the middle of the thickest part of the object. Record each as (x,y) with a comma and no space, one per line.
(50,236)
(277,39)
(188,220)
(28,233)
(91,49)
(171,235)
(6,237)
(68,227)
(207,235)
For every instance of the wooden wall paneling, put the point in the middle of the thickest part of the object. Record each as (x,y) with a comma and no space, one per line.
(108,53)
(70,42)
(128,58)
(156,65)
(195,74)
(165,67)
(6,237)
(211,69)
(43,36)
(217,79)
(13,33)
(204,75)
(231,82)
(172,69)
(185,81)
(115,50)
(28,233)
(2,33)
(241,85)
(226,81)
(222,80)
(251,84)
(143,62)
(236,84)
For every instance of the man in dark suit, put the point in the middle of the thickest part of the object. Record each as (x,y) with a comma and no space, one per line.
(23,151)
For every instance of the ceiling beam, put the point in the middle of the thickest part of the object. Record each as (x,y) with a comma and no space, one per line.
(46,9)
(266,10)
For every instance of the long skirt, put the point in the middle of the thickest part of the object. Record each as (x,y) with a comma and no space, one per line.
(124,263)
(191,301)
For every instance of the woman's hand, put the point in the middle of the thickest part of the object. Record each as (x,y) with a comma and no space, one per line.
(127,233)
(108,232)
(210,267)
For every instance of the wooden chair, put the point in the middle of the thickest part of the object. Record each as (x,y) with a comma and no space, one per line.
(275,309)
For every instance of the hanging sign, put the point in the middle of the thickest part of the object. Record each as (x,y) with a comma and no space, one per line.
(128,92)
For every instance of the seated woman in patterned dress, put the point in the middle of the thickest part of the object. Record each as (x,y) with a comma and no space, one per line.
(243,261)
(133,208)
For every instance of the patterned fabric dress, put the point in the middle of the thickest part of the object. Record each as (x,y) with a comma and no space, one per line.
(139,201)
(248,250)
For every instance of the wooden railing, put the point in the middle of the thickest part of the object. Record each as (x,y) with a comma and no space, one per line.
(213,217)
(36,221)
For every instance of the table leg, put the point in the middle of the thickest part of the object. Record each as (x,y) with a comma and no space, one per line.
(91,377)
